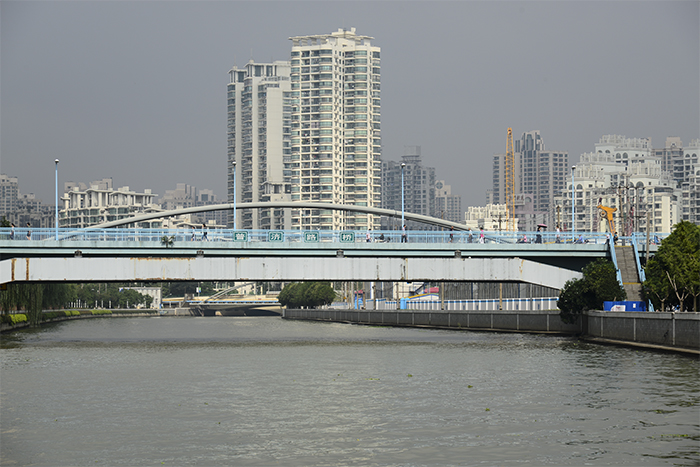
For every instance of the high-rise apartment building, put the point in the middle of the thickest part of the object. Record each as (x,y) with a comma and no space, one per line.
(690,184)
(540,175)
(335,128)
(418,189)
(259,153)
(447,205)
(9,193)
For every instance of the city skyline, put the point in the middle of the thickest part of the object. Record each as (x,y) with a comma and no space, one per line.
(148,108)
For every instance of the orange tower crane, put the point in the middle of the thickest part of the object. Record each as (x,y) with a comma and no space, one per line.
(510,182)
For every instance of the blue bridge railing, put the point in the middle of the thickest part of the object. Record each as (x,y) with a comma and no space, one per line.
(161,236)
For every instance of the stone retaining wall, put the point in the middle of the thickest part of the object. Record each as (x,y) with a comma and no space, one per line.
(666,330)
(546,321)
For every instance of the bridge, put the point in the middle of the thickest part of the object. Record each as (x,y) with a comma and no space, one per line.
(155,255)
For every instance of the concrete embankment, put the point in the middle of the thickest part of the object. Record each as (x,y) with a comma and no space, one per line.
(668,331)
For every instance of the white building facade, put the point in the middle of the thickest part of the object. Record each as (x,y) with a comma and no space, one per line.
(335,128)
(97,203)
(624,174)
(259,153)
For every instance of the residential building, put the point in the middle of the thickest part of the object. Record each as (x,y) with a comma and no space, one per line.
(541,173)
(259,152)
(671,156)
(690,183)
(447,205)
(9,193)
(99,202)
(623,173)
(335,129)
(22,208)
(490,217)
(188,196)
(539,176)
(418,189)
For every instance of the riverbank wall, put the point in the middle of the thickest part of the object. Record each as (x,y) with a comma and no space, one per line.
(667,331)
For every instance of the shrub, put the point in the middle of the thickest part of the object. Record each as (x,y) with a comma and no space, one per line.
(17,318)
(101,312)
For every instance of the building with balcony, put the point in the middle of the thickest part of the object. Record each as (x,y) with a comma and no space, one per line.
(259,152)
(539,176)
(99,202)
(335,129)
(625,174)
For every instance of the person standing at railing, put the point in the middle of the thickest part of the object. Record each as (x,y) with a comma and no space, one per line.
(481,235)
(12,232)
(452,233)
(557,239)
(204,233)
(470,238)
(29,232)
(368,236)
(404,235)
(538,237)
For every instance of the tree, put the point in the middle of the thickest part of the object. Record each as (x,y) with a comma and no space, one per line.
(673,274)
(306,294)
(599,284)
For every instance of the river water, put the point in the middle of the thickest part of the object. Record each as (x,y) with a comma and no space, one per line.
(267,391)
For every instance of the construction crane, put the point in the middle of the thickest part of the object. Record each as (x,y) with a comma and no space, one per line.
(510,182)
(607,213)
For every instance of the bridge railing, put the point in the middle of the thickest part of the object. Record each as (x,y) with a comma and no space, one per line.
(182,236)
(506,304)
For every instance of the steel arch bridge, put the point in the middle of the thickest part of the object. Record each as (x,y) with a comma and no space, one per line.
(285,204)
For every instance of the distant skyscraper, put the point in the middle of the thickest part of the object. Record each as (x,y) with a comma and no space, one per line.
(447,205)
(335,128)
(419,188)
(9,193)
(259,114)
(540,175)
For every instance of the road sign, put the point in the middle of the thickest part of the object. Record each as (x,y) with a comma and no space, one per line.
(240,236)
(275,236)
(347,237)
(311,236)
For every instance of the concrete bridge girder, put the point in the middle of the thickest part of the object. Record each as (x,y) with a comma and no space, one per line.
(81,269)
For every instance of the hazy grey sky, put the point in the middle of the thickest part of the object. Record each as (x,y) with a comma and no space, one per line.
(137,90)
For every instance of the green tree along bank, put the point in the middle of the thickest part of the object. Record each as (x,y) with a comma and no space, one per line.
(673,273)
(306,294)
(34,298)
(599,284)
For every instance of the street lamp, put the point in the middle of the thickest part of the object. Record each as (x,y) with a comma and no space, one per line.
(56,161)
(403,166)
(573,206)
(234,194)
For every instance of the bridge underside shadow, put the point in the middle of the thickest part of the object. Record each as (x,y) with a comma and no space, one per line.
(458,269)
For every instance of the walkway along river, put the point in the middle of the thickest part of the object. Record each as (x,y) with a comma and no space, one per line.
(268,391)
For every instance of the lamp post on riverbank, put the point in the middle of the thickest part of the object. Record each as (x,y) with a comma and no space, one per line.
(573,207)
(234,194)
(403,165)
(56,161)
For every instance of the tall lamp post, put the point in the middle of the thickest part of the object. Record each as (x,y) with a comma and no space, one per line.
(573,206)
(234,194)
(403,166)
(56,161)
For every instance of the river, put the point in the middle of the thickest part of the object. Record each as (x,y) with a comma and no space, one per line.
(260,391)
